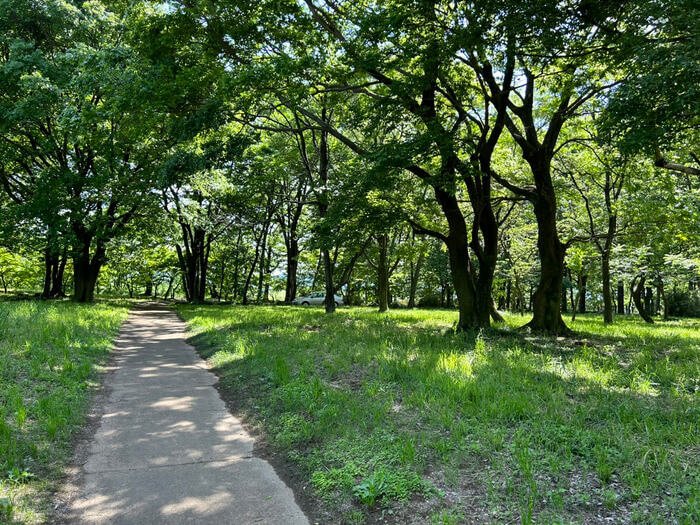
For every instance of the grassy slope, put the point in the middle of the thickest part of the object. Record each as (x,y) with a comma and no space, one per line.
(50,354)
(395,416)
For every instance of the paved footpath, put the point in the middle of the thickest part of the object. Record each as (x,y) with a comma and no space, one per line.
(167,451)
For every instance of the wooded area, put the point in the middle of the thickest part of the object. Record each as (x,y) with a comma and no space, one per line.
(526,156)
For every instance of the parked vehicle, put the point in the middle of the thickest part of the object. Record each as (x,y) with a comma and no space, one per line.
(316,298)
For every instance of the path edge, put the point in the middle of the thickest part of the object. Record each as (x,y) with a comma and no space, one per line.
(72,481)
(309,504)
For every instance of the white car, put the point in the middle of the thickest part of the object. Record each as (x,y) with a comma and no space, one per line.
(316,298)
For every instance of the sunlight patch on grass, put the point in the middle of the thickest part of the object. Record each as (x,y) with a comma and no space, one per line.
(537,427)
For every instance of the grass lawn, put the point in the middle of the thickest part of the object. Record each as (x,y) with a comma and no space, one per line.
(395,419)
(50,355)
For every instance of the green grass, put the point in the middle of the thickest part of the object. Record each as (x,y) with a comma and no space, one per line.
(50,355)
(397,414)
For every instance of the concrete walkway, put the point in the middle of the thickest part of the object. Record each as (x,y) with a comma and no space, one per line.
(167,451)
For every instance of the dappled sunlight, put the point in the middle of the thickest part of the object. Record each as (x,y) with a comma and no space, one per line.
(167,450)
(597,404)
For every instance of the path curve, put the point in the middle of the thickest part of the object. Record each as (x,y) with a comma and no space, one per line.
(167,451)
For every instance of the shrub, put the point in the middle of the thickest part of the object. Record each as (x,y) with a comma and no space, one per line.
(684,303)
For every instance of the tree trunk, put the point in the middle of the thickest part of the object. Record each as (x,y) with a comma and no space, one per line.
(85,273)
(290,290)
(637,288)
(268,272)
(583,280)
(662,294)
(170,287)
(383,273)
(607,292)
(648,300)
(657,305)
(509,305)
(496,315)
(57,276)
(246,287)
(620,298)
(546,301)
(149,288)
(564,301)
(415,274)
(329,301)
(487,255)
(458,250)
(185,273)
(49,263)
(263,254)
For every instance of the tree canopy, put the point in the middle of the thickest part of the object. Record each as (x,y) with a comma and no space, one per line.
(530,156)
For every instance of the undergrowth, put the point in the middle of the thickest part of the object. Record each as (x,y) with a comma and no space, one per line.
(396,412)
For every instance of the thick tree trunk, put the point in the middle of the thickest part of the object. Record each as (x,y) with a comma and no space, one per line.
(458,250)
(637,289)
(487,254)
(149,288)
(85,273)
(546,301)
(383,273)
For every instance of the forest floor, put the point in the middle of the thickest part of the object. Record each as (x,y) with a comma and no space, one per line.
(394,418)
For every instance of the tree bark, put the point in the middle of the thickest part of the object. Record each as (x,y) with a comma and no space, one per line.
(86,269)
(49,262)
(57,277)
(546,301)
(637,288)
(607,292)
(290,290)
(620,298)
(648,299)
(328,271)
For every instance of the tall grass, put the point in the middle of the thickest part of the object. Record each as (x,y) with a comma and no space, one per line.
(50,354)
(397,412)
